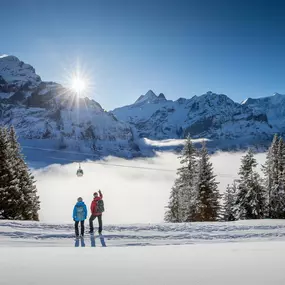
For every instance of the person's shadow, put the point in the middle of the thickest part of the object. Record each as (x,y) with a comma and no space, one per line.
(101,238)
(92,240)
(79,241)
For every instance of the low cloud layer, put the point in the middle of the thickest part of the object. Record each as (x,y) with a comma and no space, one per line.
(132,194)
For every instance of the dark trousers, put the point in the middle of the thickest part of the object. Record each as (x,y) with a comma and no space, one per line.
(76,228)
(92,218)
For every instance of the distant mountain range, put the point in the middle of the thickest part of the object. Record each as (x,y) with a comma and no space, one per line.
(47,111)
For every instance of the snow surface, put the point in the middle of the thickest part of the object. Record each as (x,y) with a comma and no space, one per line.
(198,253)
(248,264)
(16,233)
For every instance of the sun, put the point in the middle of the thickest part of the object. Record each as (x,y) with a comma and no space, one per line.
(78,84)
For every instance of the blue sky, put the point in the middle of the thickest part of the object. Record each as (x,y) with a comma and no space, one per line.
(180,48)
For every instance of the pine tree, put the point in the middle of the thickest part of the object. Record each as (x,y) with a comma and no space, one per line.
(29,204)
(10,194)
(187,182)
(229,202)
(182,202)
(18,199)
(250,197)
(281,164)
(172,215)
(208,196)
(275,179)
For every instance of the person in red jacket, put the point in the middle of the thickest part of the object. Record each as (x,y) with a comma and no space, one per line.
(94,213)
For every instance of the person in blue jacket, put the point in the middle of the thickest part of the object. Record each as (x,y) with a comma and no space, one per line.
(79,215)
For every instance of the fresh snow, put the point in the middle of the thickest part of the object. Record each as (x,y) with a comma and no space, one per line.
(236,263)
(16,233)
(248,253)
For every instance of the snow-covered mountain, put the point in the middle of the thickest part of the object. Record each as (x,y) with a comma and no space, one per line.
(48,111)
(16,73)
(273,107)
(213,116)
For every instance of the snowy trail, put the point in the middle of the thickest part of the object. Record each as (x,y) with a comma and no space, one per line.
(42,234)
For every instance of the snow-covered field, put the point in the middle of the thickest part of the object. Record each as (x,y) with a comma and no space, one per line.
(13,233)
(251,252)
(219,264)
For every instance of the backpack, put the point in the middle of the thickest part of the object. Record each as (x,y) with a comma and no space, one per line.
(100,206)
(80,213)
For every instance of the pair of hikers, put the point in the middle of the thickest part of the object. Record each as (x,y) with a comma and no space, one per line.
(80,213)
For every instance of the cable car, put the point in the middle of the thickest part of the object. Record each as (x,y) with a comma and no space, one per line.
(79,171)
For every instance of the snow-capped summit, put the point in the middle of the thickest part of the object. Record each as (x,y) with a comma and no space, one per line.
(46,111)
(150,97)
(211,115)
(161,96)
(17,73)
(273,107)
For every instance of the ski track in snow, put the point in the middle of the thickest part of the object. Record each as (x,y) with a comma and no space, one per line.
(14,233)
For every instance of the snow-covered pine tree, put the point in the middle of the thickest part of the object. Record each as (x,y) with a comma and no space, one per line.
(281,163)
(274,179)
(188,181)
(208,196)
(28,204)
(250,197)
(182,202)
(10,193)
(277,198)
(172,215)
(229,202)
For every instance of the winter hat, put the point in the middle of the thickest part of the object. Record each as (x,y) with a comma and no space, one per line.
(79,199)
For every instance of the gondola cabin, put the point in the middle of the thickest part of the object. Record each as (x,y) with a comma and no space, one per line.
(79,172)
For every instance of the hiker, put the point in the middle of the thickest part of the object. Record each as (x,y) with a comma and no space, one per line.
(97,208)
(79,215)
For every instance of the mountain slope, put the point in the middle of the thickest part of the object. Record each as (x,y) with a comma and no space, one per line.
(16,73)
(273,107)
(47,111)
(211,115)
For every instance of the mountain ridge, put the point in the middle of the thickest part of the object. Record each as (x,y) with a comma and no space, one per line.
(49,111)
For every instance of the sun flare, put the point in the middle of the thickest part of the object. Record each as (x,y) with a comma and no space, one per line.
(78,84)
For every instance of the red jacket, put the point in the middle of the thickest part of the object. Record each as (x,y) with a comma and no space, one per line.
(94,205)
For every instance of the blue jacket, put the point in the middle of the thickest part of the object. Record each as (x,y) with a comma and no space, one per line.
(77,215)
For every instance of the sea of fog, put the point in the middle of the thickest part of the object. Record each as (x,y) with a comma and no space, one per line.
(133,193)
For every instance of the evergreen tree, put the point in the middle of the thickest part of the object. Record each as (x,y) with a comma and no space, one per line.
(275,179)
(250,198)
(229,202)
(10,193)
(281,164)
(187,182)
(18,199)
(208,196)
(182,202)
(29,204)
(172,215)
